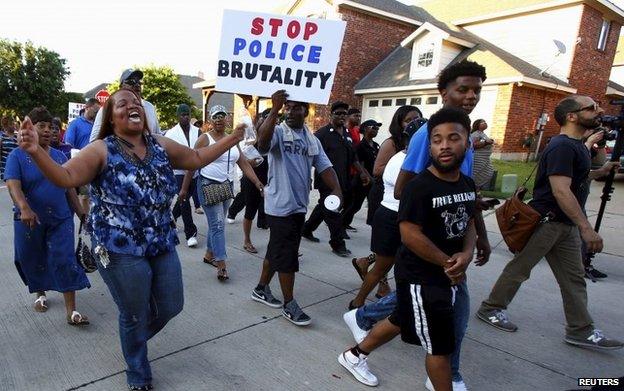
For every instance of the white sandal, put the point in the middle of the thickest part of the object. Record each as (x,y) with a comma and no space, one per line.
(41,304)
(75,319)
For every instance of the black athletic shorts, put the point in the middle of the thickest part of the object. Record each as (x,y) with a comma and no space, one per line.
(284,238)
(385,235)
(425,315)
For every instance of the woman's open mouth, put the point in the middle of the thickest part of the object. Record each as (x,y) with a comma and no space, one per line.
(134,116)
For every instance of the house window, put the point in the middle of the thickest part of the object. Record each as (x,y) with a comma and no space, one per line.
(386,102)
(432,100)
(373,103)
(416,101)
(604,34)
(401,102)
(425,56)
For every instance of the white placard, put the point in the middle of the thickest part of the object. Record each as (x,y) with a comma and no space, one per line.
(73,110)
(262,53)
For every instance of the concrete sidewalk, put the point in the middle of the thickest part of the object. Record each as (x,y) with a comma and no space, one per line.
(223,340)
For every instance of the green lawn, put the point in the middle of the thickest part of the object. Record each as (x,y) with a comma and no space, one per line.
(519,168)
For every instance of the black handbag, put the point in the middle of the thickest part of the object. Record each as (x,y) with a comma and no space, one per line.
(215,193)
(84,256)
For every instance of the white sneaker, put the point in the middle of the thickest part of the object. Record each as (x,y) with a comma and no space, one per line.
(192,242)
(358,333)
(230,221)
(457,385)
(358,368)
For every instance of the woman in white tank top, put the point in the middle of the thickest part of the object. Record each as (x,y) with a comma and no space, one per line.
(219,171)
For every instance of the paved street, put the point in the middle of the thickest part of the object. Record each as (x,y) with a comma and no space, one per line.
(223,340)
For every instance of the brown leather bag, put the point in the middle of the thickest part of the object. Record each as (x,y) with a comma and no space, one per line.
(517,220)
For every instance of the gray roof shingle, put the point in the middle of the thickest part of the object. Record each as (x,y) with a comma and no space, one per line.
(393,7)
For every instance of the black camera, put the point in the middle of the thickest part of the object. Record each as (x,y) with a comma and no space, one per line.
(611,122)
(608,135)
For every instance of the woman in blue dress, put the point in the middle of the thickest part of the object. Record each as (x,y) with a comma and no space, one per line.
(44,225)
(133,231)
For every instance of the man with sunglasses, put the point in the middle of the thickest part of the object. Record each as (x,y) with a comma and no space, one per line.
(562,170)
(131,78)
(366,151)
(338,147)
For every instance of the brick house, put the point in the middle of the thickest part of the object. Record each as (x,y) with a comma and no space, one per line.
(535,52)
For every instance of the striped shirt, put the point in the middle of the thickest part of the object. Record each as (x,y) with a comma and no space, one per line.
(483,168)
(7,144)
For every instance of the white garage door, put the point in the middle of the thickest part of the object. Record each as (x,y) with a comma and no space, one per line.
(382,109)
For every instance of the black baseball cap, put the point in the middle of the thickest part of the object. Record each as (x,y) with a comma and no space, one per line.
(339,105)
(130,74)
(369,122)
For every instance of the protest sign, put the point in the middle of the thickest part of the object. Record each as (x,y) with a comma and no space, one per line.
(262,53)
(73,110)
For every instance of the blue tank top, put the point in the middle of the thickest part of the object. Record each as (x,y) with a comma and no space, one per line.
(131,201)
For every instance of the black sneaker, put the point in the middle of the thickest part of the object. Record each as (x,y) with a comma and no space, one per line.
(345,235)
(592,273)
(295,314)
(350,228)
(310,236)
(496,318)
(265,297)
(342,252)
(595,340)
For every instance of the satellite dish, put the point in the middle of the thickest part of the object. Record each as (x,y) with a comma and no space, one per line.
(560,46)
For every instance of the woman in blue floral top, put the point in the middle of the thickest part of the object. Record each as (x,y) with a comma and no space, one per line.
(133,232)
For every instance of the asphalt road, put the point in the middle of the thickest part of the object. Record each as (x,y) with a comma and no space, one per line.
(223,340)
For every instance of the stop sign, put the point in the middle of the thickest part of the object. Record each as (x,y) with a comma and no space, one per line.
(102,96)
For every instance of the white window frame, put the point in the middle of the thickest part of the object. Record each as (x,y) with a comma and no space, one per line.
(426,53)
(604,34)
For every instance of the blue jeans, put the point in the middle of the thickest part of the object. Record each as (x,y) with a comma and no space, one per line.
(371,313)
(148,293)
(215,215)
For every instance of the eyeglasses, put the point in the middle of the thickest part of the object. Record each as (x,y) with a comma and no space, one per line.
(339,113)
(218,116)
(593,107)
(133,82)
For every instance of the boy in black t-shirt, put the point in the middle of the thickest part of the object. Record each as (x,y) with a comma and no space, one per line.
(438,235)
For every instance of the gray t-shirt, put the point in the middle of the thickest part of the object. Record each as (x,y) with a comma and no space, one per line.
(290,172)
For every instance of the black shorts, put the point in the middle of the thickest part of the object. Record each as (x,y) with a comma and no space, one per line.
(385,235)
(284,238)
(425,315)
(252,197)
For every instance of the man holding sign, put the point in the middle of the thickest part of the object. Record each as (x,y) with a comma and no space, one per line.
(292,151)
(296,53)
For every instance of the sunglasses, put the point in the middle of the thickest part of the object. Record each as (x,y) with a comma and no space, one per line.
(218,116)
(339,113)
(133,82)
(592,107)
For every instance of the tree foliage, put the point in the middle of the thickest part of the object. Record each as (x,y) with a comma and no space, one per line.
(162,87)
(31,76)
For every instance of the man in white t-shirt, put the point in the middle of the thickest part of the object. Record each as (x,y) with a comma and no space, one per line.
(131,78)
(186,134)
